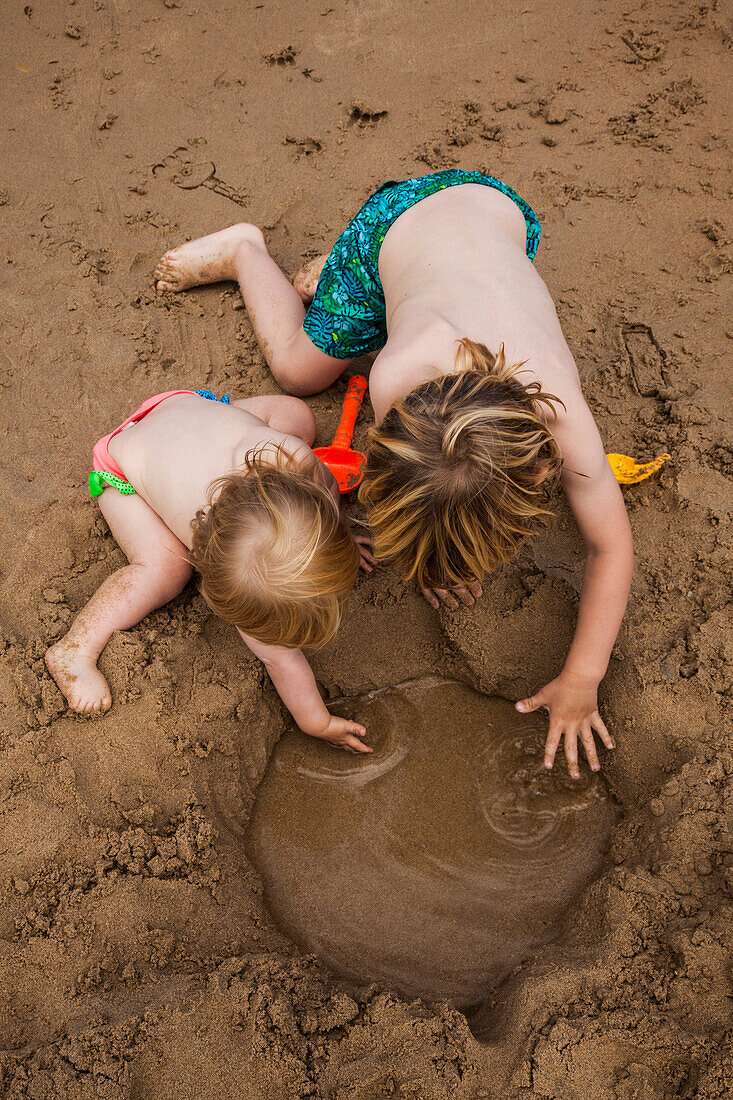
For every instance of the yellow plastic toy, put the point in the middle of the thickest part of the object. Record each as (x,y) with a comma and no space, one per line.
(628,472)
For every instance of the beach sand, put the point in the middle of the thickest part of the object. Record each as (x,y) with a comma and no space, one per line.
(138,957)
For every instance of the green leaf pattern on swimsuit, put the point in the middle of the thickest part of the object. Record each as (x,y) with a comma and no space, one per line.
(347,316)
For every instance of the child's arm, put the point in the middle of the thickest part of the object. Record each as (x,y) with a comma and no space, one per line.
(598,507)
(296,685)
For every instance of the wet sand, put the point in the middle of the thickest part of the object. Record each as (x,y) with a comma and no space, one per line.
(443,861)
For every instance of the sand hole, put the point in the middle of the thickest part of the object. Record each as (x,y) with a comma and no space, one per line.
(440,862)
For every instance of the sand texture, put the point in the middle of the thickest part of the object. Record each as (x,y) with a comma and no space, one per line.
(443,861)
(138,959)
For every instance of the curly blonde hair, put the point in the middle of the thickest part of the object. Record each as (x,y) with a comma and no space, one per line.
(457,471)
(274,555)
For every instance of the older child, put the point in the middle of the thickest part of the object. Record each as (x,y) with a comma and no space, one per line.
(237,484)
(433,273)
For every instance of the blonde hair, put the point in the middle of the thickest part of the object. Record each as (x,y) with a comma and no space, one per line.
(274,555)
(455,472)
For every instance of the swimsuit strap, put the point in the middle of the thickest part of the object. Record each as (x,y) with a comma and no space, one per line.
(212,396)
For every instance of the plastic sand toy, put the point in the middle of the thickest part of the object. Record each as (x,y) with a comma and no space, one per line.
(628,472)
(346,465)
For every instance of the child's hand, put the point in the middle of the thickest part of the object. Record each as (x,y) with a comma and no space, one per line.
(365,544)
(450,596)
(572,702)
(343,733)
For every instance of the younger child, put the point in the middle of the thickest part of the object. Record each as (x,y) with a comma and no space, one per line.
(233,489)
(475,393)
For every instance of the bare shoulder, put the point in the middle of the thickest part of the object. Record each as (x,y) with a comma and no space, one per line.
(410,359)
(300,452)
(576,432)
(386,379)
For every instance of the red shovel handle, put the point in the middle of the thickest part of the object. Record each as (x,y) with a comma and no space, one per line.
(352,404)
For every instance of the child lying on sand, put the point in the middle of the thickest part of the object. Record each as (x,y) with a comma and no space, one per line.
(237,484)
(434,274)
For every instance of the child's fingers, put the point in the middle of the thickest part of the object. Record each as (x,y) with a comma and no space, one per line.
(365,566)
(353,727)
(347,735)
(476,590)
(571,753)
(430,597)
(553,740)
(447,597)
(534,702)
(600,727)
(589,745)
(464,596)
(348,741)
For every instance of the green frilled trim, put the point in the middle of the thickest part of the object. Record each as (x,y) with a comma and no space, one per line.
(100,479)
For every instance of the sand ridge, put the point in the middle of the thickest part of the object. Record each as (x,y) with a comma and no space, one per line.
(137,958)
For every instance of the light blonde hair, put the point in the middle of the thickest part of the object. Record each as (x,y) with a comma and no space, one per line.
(455,471)
(274,555)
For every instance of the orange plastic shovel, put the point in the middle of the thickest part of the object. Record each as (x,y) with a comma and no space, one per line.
(346,465)
(628,472)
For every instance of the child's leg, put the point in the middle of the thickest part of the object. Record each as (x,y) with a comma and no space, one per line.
(157,572)
(289,415)
(275,308)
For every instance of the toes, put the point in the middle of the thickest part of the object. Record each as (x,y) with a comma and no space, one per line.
(166,267)
(90,706)
(162,285)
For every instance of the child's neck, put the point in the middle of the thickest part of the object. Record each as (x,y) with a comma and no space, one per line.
(411,356)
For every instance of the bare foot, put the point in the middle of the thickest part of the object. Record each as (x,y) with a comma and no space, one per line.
(306,281)
(78,677)
(206,260)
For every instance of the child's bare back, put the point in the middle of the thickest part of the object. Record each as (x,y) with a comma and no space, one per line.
(455,265)
(174,453)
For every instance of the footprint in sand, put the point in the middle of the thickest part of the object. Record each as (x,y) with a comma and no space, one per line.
(188,172)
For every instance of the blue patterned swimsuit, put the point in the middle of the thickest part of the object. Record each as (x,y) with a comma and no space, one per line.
(347,316)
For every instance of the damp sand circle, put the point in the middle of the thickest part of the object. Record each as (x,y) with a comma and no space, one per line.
(440,862)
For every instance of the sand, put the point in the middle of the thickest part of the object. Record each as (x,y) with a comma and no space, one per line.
(442,862)
(137,955)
